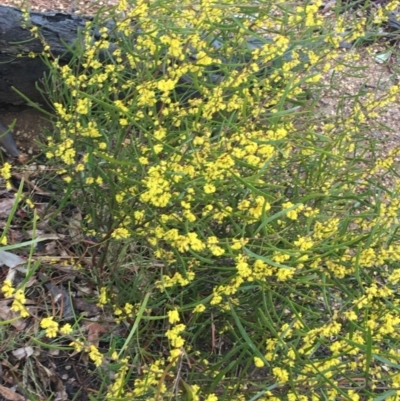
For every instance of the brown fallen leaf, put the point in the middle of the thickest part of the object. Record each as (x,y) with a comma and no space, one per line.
(90,308)
(75,227)
(10,395)
(23,352)
(5,207)
(94,330)
(60,391)
(10,259)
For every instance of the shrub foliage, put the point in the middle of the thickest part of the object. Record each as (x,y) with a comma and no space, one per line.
(248,240)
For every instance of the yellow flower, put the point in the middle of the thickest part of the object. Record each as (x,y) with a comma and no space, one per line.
(160,133)
(128,309)
(5,171)
(304,243)
(120,233)
(209,189)
(18,304)
(166,85)
(30,203)
(292,214)
(173,316)
(174,354)
(199,308)
(173,335)
(7,288)
(83,106)
(258,362)
(50,326)
(78,345)
(281,375)
(20,296)
(102,297)
(66,329)
(122,5)
(95,355)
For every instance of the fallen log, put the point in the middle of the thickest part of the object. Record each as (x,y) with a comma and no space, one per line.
(17,68)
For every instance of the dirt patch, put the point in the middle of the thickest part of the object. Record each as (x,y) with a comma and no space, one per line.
(28,129)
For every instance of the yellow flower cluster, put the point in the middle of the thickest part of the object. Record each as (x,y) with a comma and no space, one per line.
(18,304)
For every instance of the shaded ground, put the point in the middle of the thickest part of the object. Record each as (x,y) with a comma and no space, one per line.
(29,125)
(67,377)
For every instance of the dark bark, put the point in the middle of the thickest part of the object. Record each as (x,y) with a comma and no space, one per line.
(15,41)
